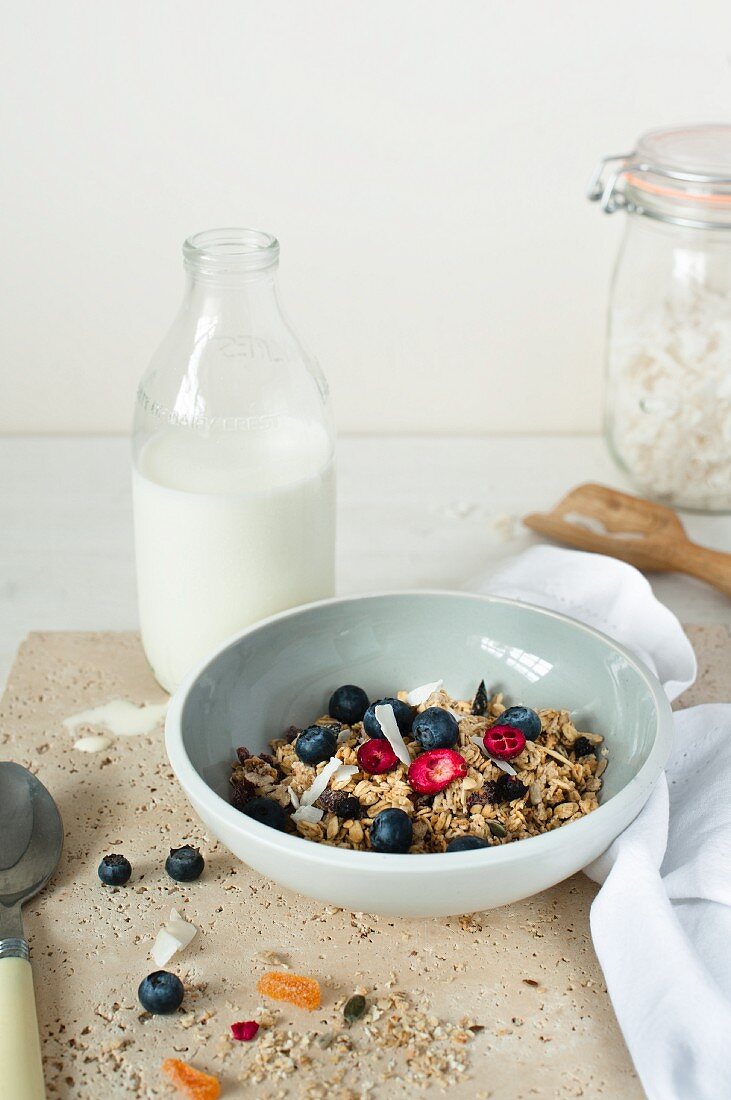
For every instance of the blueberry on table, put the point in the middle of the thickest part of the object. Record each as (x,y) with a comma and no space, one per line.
(436,728)
(316,744)
(185,864)
(267,812)
(391,831)
(466,844)
(161,992)
(114,870)
(402,713)
(348,704)
(523,719)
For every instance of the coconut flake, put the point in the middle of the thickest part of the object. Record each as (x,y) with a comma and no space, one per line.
(293,797)
(344,735)
(310,814)
(501,764)
(457,714)
(344,773)
(174,935)
(318,785)
(387,721)
(420,695)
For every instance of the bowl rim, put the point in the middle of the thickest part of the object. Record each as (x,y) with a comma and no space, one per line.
(198,791)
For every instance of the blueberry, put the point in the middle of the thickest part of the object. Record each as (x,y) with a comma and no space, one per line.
(185,864)
(267,811)
(466,844)
(348,704)
(523,719)
(403,714)
(114,870)
(436,728)
(316,744)
(161,992)
(391,831)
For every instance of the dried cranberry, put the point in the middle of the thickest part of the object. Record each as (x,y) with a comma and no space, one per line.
(245,1030)
(377,756)
(436,769)
(342,803)
(504,742)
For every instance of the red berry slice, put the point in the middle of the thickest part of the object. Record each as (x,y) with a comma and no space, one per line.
(376,756)
(504,742)
(434,770)
(245,1030)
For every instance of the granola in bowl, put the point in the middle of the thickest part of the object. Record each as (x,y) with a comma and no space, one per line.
(423,772)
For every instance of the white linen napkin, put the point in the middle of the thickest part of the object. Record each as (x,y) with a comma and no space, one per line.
(661,923)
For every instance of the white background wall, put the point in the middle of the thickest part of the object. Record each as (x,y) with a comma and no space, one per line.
(423,163)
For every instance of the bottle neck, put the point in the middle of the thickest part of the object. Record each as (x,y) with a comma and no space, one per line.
(241,298)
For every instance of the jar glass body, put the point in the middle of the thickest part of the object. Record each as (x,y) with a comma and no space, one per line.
(668,389)
(233,461)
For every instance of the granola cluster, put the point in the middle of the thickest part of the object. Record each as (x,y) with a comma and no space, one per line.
(557,779)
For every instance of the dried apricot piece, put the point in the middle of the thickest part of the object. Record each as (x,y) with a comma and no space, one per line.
(296,988)
(195,1084)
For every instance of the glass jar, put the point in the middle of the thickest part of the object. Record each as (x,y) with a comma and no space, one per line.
(668,388)
(233,469)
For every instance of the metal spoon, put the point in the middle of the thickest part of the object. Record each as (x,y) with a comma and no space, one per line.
(31,839)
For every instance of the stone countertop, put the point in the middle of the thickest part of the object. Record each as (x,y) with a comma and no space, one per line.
(524,976)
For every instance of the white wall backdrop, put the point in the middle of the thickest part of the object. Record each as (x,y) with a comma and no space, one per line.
(422,162)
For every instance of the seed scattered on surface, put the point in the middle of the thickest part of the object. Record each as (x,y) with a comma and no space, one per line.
(354,1008)
(497,829)
(531,981)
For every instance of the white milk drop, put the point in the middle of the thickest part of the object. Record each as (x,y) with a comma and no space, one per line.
(228,530)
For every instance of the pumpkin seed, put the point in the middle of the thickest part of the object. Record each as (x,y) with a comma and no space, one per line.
(480,701)
(354,1009)
(497,829)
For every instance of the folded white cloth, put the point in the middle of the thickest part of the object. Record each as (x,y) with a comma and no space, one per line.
(661,923)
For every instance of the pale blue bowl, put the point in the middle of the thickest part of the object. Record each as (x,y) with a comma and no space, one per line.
(283,670)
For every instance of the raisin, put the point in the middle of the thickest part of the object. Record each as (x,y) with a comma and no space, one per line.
(243,754)
(505,789)
(583,747)
(508,788)
(342,803)
(241,792)
(291,734)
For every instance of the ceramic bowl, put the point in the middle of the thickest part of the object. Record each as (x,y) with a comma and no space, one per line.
(282,671)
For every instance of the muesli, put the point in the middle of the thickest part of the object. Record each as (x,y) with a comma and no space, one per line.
(423,772)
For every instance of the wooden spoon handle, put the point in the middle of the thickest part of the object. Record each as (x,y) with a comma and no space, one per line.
(712,566)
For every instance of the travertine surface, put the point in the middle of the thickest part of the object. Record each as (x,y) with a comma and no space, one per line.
(526,973)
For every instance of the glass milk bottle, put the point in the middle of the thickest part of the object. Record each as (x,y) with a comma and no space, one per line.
(233,468)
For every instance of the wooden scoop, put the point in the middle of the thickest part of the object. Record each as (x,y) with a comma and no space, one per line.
(593,517)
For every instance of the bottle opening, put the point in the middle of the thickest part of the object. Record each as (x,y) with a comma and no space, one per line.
(215,251)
